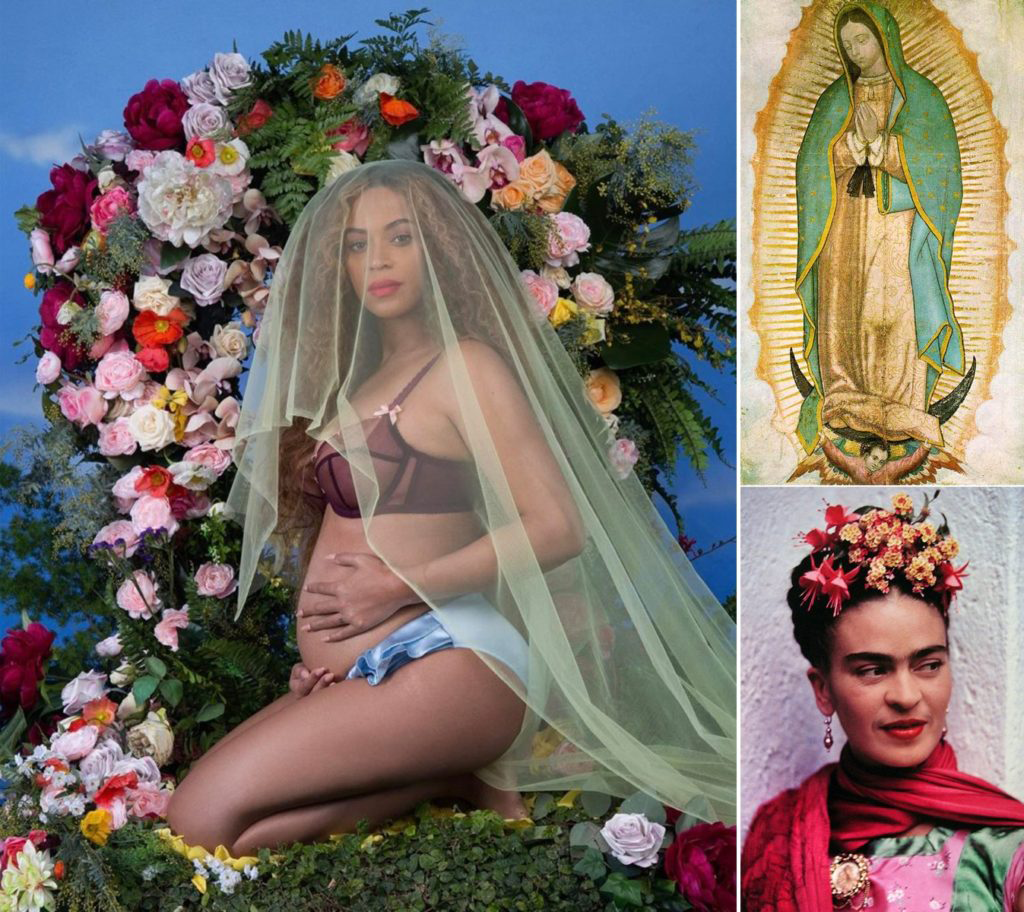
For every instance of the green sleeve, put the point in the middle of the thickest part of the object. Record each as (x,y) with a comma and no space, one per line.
(986,861)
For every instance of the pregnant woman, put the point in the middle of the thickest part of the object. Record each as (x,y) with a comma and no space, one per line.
(484,604)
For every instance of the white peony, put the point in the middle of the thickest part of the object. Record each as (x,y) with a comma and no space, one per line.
(181,202)
(371,89)
(153,428)
(193,475)
(89,685)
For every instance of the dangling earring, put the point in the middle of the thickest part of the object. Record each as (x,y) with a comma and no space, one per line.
(828,732)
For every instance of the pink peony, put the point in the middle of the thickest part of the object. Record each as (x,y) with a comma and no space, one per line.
(74,745)
(137,596)
(571,235)
(702,862)
(48,368)
(124,488)
(112,311)
(166,630)
(116,438)
(104,209)
(216,580)
(118,531)
(150,512)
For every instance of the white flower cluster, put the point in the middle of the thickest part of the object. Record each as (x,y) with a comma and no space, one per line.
(227,878)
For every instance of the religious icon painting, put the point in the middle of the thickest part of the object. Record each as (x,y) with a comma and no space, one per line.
(880,140)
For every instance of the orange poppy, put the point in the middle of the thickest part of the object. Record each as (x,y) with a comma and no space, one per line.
(151,330)
(395,111)
(155,481)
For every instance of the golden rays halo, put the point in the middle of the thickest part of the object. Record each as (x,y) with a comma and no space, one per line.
(978,279)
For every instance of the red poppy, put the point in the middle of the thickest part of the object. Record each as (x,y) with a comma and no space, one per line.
(154,480)
(151,329)
(395,111)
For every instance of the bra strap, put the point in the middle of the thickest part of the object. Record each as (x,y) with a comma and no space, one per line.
(408,387)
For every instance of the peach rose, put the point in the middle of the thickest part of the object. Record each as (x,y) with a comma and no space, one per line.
(511,196)
(604,390)
(564,182)
(537,175)
(544,291)
(593,293)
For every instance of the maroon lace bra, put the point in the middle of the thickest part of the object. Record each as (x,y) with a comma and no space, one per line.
(410,481)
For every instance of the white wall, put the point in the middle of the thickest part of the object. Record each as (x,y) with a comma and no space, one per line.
(781,728)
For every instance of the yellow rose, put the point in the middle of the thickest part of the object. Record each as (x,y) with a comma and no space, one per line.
(604,389)
(511,196)
(563,311)
(554,200)
(537,175)
(95,826)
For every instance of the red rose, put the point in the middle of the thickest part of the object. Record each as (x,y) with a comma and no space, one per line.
(64,210)
(550,111)
(54,337)
(152,117)
(702,862)
(155,359)
(22,655)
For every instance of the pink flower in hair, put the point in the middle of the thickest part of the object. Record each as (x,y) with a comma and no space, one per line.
(837,587)
(950,580)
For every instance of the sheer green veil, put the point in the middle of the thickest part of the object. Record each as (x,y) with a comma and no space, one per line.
(632,659)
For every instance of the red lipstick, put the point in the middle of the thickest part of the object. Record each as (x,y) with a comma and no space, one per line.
(905,729)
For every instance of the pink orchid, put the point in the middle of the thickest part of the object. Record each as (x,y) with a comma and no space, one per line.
(487,127)
(443,155)
(473,181)
(499,163)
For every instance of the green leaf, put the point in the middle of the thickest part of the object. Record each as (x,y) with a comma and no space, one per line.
(24,619)
(624,891)
(143,688)
(542,806)
(585,833)
(172,690)
(171,255)
(591,864)
(642,803)
(11,734)
(518,122)
(647,343)
(596,804)
(209,711)
(156,666)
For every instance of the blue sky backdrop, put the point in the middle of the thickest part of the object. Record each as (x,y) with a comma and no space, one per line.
(68,70)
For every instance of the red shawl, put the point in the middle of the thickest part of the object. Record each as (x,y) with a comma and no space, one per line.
(786,853)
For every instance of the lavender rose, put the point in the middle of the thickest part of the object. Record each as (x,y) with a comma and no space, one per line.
(228,72)
(89,685)
(206,121)
(109,647)
(113,145)
(203,278)
(200,88)
(633,839)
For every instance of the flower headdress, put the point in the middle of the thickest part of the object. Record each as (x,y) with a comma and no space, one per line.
(883,543)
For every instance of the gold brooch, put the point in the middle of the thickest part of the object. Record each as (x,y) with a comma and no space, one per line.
(848,875)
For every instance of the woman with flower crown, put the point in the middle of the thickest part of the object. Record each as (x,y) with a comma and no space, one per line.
(894,825)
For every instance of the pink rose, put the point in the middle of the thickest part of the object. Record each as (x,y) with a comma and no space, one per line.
(48,368)
(42,250)
(150,512)
(137,596)
(544,291)
(119,530)
(104,209)
(120,374)
(112,311)
(148,802)
(624,455)
(171,621)
(109,647)
(209,455)
(355,137)
(216,580)
(571,235)
(75,745)
(100,347)
(124,487)
(593,293)
(116,438)
(516,145)
(83,405)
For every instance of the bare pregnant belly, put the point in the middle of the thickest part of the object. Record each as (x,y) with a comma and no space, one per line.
(422,538)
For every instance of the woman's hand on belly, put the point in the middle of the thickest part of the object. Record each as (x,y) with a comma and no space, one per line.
(362,594)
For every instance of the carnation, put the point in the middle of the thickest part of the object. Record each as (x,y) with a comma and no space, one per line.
(181,203)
